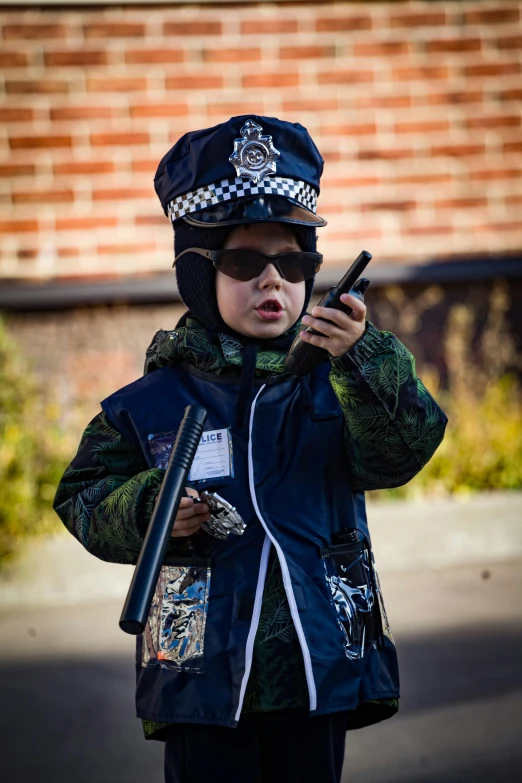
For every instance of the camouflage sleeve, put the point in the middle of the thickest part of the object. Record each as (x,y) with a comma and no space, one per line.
(106,496)
(393,424)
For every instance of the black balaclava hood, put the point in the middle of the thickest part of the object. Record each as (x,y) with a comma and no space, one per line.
(196,275)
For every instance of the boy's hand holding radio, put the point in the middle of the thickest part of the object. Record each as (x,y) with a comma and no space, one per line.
(339,330)
(336,323)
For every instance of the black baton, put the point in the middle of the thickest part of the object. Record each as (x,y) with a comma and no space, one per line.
(139,598)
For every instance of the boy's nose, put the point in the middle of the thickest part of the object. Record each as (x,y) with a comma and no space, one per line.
(270,277)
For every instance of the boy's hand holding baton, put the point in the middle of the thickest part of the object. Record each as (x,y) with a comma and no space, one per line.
(152,555)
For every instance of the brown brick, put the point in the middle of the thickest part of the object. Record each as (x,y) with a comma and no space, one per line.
(421,72)
(113,250)
(421,127)
(496,227)
(380,48)
(311,105)
(42,197)
(166,109)
(16,169)
(119,139)
(492,69)
(512,146)
(454,45)
(510,42)
(243,55)
(114,30)
(195,28)
(85,223)
(29,32)
(204,82)
(18,226)
(117,84)
(333,24)
(457,150)
(40,142)
(367,129)
(121,194)
(145,165)
(460,203)
(492,16)
(305,52)
(16,115)
(160,56)
(345,77)
(27,253)
(150,220)
(84,167)
(269,26)
(13,59)
(39,86)
(68,252)
(388,206)
(498,121)
(434,230)
(276,79)
(383,102)
(466,96)
(431,178)
(426,19)
(489,174)
(514,199)
(81,113)
(390,153)
(75,58)
(513,94)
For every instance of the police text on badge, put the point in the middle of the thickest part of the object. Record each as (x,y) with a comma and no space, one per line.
(213,456)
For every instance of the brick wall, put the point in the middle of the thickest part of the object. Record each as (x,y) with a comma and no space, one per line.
(416,107)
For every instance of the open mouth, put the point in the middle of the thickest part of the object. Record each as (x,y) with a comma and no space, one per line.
(271,306)
(270,309)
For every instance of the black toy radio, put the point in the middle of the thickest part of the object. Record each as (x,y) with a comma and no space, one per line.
(303,357)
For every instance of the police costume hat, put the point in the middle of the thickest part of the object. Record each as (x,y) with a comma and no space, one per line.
(250,169)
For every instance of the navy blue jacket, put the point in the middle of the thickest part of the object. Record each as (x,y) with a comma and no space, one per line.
(292,486)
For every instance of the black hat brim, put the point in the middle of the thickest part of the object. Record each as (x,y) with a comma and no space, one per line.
(258,209)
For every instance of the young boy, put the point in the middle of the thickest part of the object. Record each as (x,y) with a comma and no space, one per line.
(261,649)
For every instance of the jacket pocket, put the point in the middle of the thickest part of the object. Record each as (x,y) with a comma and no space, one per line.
(175,631)
(355,594)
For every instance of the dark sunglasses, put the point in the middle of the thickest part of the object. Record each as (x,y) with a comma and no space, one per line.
(295,266)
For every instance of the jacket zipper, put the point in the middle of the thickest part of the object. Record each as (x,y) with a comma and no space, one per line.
(249,650)
(287,582)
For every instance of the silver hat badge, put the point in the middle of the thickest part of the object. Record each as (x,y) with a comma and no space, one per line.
(254,155)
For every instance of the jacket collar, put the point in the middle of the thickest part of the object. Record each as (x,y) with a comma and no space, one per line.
(211,351)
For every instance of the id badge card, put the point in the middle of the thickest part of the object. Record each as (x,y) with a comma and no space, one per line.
(213,460)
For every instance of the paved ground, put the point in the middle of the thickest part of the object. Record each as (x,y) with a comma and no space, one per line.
(66,679)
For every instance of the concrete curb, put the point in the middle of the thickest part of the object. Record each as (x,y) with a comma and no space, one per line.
(406,536)
(480,528)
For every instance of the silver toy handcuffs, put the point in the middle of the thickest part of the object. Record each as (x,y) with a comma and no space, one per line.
(224,518)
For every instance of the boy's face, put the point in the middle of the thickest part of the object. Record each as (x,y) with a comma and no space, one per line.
(266,306)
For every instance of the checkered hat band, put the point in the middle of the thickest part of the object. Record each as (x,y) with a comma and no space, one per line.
(232,189)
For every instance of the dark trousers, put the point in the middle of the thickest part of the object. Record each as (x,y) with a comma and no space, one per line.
(272,747)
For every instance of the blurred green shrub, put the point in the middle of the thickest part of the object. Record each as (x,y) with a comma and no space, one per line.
(32,453)
(482,449)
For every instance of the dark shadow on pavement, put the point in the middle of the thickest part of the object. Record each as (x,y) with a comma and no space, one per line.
(74,720)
